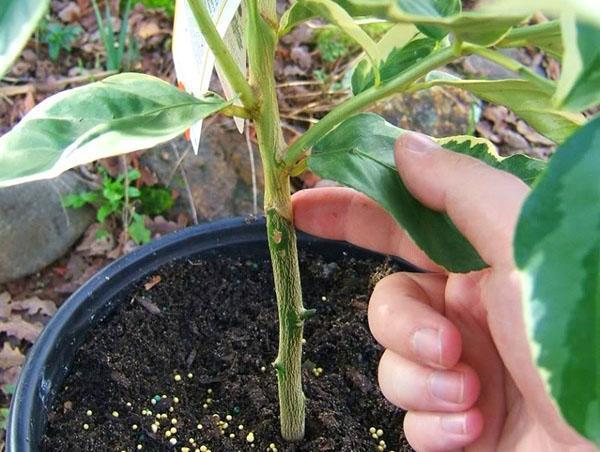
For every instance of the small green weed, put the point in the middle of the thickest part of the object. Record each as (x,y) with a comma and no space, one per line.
(8,390)
(116,57)
(59,37)
(155,200)
(117,198)
(3,418)
(333,44)
(167,5)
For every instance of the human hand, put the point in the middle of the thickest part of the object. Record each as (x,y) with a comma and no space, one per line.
(457,355)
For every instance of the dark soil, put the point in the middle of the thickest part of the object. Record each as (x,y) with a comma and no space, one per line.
(216,322)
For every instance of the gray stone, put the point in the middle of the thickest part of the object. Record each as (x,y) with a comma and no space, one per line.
(438,112)
(481,67)
(219,177)
(35,229)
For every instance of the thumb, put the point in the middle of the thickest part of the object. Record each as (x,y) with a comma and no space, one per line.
(483,202)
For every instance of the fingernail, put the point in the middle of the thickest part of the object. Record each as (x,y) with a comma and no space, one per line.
(454,423)
(427,344)
(447,386)
(417,142)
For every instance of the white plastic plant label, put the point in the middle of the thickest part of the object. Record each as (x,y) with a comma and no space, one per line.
(194,61)
(236,44)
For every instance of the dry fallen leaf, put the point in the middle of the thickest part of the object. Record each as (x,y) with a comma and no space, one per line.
(91,245)
(18,328)
(533,136)
(29,102)
(34,305)
(10,357)
(161,226)
(148,29)
(153,281)
(70,13)
(9,377)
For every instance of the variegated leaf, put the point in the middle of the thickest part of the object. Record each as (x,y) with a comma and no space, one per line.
(398,60)
(579,85)
(546,36)
(359,153)
(557,250)
(120,114)
(437,18)
(530,101)
(525,168)
(18,20)
(587,11)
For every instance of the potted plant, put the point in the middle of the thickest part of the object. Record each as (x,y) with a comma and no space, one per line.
(129,112)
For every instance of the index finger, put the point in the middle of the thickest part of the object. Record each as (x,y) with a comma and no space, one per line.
(338,213)
(483,202)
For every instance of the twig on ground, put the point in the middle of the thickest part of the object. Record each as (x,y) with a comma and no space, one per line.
(299,83)
(300,118)
(10,91)
(188,190)
(125,214)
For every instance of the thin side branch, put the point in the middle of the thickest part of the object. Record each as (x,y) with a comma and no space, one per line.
(355,104)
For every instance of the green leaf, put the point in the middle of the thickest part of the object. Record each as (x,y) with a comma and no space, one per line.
(396,62)
(365,162)
(138,230)
(434,17)
(114,192)
(557,250)
(579,85)
(531,102)
(78,200)
(18,20)
(134,175)
(294,15)
(546,36)
(434,8)
(396,37)
(59,37)
(120,114)
(587,11)
(105,211)
(133,192)
(167,5)
(525,168)
(475,27)
(3,418)
(9,389)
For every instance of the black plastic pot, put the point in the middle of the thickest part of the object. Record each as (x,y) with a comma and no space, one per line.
(49,359)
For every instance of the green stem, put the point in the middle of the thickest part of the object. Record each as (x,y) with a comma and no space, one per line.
(262,40)
(513,65)
(355,104)
(226,62)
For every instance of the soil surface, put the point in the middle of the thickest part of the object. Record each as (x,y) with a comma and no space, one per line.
(198,339)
